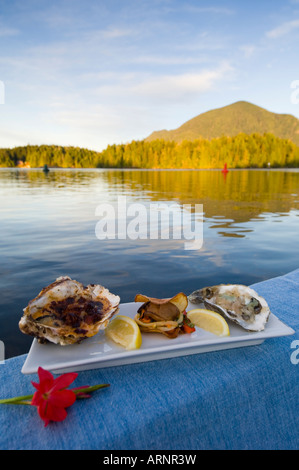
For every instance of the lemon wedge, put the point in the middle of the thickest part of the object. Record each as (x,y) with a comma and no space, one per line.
(209,321)
(125,332)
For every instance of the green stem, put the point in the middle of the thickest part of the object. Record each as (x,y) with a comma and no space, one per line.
(92,388)
(21,403)
(26,399)
(17,400)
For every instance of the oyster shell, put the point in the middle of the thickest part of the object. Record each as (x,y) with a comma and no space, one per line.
(66,312)
(238,303)
(161,315)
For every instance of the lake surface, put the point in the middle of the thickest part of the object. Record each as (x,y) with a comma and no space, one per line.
(48,222)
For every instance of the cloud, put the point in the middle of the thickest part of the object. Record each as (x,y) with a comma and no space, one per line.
(248,50)
(89,119)
(283,29)
(177,86)
(124,106)
(170,88)
(166,60)
(10,138)
(95,37)
(7,31)
(117,33)
(201,10)
(108,106)
(212,10)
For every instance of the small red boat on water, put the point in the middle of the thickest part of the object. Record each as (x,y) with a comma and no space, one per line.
(225,170)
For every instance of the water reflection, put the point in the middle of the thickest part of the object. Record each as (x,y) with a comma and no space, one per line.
(244,193)
(48,229)
(229,199)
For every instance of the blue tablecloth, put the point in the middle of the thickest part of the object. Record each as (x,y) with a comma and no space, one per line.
(244,398)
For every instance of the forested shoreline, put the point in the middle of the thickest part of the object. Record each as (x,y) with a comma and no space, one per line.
(241,151)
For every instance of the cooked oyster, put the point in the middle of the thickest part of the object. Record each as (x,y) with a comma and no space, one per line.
(238,303)
(66,312)
(164,316)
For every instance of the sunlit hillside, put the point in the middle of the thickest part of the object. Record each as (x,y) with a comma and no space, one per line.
(240,117)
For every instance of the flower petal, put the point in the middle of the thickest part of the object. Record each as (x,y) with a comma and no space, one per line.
(64,380)
(48,412)
(37,399)
(57,413)
(36,385)
(62,398)
(46,379)
(42,411)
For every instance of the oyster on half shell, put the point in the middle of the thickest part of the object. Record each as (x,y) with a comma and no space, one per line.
(164,316)
(238,303)
(66,312)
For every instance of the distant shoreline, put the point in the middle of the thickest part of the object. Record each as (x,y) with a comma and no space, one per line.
(151,169)
(239,152)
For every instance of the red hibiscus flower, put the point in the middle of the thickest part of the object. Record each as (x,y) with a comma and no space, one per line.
(51,397)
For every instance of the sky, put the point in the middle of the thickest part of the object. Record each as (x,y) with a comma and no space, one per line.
(96,73)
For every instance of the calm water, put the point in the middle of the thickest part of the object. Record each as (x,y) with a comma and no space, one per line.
(251,228)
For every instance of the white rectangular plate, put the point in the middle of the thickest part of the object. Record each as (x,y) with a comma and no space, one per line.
(98,351)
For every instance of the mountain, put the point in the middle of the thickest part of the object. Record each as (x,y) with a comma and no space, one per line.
(230,121)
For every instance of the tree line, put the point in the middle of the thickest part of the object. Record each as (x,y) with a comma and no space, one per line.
(241,151)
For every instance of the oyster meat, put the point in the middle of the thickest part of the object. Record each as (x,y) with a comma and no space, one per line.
(238,303)
(164,316)
(66,312)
